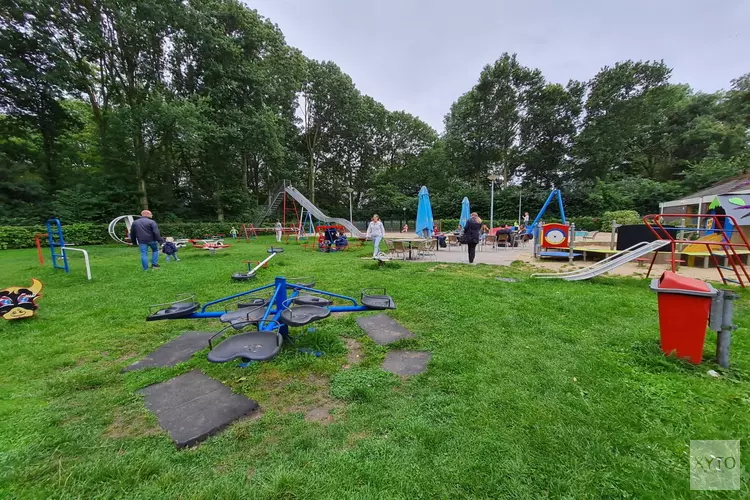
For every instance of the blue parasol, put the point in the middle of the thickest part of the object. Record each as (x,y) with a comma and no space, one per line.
(424,214)
(465,212)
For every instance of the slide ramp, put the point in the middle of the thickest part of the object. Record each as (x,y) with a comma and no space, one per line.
(315,211)
(605,265)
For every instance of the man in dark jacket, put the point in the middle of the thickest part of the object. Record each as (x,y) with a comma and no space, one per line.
(471,235)
(145,233)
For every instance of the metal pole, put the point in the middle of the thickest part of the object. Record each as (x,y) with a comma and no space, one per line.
(520,191)
(492,204)
(351,219)
(724,336)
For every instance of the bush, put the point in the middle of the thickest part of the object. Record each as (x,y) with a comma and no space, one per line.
(97,234)
(586,223)
(621,216)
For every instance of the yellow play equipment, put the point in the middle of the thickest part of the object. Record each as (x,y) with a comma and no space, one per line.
(697,247)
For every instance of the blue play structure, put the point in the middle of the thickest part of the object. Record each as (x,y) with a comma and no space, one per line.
(292,303)
(554,193)
(57,245)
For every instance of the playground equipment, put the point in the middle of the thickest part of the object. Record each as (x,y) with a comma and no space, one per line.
(554,193)
(731,253)
(328,239)
(58,248)
(250,274)
(607,264)
(19,302)
(555,240)
(279,197)
(272,316)
(727,250)
(123,219)
(212,245)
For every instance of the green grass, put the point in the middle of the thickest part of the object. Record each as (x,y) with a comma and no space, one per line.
(535,389)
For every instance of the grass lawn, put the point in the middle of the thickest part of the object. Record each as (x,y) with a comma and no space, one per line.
(535,389)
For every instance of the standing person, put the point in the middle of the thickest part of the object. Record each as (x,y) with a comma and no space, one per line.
(145,233)
(233,232)
(526,219)
(376,231)
(170,249)
(279,229)
(471,235)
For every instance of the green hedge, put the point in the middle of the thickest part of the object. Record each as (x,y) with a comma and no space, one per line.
(621,216)
(96,234)
(582,223)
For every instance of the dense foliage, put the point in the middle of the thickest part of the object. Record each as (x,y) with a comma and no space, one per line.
(197,109)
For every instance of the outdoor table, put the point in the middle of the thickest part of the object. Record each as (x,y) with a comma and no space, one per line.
(410,242)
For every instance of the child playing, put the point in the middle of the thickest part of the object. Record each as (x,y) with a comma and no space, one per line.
(170,249)
(233,232)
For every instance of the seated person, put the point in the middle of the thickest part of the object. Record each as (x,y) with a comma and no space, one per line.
(440,237)
(503,230)
(341,242)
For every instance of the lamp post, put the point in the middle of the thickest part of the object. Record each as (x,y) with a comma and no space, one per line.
(492,179)
(350,191)
(520,192)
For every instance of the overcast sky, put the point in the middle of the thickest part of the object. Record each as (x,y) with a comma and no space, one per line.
(420,56)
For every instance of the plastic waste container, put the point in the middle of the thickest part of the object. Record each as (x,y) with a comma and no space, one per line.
(684,306)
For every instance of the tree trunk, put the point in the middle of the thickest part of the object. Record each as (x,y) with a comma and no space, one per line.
(140,167)
(219,210)
(311,185)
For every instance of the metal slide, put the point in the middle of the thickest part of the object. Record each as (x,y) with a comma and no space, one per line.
(611,262)
(315,211)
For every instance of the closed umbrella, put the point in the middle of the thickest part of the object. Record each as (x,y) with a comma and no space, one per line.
(424,214)
(465,212)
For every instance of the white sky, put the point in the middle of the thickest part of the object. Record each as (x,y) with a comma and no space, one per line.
(420,56)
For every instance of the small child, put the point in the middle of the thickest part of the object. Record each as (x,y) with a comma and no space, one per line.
(233,232)
(170,249)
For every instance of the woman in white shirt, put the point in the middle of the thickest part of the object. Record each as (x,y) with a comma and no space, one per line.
(278,229)
(376,231)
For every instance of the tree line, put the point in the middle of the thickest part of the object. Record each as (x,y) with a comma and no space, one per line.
(197,109)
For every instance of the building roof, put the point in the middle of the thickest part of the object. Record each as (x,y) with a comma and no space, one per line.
(739,183)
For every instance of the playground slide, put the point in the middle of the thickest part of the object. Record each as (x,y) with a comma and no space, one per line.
(697,247)
(611,262)
(315,211)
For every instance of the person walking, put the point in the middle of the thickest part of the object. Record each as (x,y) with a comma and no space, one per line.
(376,231)
(233,232)
(144,232)
(279,229)
(170,249)
(471,235)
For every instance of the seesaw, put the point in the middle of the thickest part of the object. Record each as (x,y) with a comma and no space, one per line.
(271,316)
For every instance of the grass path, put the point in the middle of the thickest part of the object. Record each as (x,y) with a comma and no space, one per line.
(535,389)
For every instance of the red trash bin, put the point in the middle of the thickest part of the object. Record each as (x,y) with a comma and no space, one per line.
(684,306)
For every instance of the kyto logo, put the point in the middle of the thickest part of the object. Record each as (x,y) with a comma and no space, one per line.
(715,465)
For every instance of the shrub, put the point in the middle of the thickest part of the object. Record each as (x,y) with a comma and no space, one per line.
(97,234)
(621,216)
(586,223)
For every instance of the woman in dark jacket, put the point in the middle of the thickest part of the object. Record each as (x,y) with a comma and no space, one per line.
(471,235)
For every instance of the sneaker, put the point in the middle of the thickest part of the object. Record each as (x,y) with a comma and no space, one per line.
(154,266)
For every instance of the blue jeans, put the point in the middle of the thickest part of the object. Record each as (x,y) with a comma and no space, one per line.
(154,246)
(376,243)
